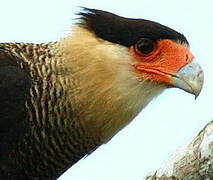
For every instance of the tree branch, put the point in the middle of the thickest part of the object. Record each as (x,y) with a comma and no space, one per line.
(194,161)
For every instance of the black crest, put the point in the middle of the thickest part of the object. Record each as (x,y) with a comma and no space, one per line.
(126,31)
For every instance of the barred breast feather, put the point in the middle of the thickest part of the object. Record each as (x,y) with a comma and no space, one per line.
(34,102)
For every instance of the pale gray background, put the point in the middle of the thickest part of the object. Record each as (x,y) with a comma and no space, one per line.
(170,120)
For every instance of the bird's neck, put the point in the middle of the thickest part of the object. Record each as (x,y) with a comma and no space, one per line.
(107,92)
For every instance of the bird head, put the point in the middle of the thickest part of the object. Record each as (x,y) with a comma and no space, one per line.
(159,54)
(119,65)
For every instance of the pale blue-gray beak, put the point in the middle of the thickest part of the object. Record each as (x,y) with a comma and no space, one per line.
(190,78)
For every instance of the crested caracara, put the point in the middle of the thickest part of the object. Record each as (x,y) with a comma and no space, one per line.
(59,101)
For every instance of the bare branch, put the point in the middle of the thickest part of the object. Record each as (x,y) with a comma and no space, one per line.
(194,161)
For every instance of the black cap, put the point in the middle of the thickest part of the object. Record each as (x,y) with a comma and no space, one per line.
(126,31)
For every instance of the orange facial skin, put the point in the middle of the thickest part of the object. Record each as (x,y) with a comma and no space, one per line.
(163,62)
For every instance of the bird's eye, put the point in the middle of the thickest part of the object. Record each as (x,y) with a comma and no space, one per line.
(144,46)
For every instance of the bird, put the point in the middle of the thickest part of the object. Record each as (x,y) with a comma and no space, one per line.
(60,101)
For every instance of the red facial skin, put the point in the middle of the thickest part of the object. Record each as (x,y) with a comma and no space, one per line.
(167,58)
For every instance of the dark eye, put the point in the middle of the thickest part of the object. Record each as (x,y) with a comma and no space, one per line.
(145,46)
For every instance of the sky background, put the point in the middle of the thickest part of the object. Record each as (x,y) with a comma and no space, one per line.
(170,120)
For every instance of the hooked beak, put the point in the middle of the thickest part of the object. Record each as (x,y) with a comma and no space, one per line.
(189,78)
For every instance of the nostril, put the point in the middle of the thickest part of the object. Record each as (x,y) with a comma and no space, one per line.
(187,57)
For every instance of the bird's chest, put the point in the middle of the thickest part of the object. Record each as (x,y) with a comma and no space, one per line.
(54,138)
(53,149)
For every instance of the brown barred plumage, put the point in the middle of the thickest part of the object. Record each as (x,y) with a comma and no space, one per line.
(52,139)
